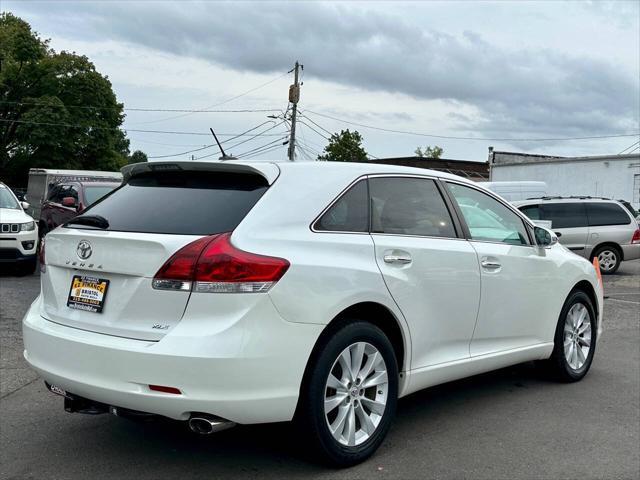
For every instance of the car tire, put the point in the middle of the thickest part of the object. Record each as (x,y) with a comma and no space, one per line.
(576,332)
(28,267)
(609,258)
(360,415)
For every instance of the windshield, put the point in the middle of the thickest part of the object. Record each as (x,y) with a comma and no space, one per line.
(95,193)
(7,200)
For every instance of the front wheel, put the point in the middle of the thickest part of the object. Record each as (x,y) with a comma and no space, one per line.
(575,339)
(349,399)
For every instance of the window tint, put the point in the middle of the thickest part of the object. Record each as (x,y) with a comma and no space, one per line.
(606,214)
(531,211)
(186,203)
(488,219)
(54,194)
(565,215)
(61,191)
(349,214)
(409,206)
(94,193)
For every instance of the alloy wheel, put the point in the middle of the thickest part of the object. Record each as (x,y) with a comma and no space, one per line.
(608,260)
(577,336)
(356,394)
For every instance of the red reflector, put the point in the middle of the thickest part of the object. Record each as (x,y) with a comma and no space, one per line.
(636,236)
(161,388)
(43,267)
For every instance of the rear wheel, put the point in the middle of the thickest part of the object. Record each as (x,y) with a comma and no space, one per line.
(349,398)
(609,258)
(575,339)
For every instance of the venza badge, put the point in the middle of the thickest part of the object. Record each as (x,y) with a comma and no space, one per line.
(84,250)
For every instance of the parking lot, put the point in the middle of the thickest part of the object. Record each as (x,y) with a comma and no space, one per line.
(508,424)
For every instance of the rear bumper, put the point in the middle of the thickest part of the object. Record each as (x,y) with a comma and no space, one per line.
(247,371)
(631,251)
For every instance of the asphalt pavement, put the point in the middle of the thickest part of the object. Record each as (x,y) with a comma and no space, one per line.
(508,424)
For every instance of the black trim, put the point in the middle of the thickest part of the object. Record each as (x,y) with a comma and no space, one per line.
(456,208)
(451,208)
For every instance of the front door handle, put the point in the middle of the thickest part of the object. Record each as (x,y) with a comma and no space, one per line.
(397,258)
(490,264)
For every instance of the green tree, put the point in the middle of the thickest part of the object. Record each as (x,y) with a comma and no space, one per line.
(138,156)
(429,152)
(345,146)
(56,110)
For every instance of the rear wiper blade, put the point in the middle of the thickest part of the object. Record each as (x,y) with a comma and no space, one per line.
(90,220)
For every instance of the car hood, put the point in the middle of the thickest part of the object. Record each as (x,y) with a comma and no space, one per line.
(10,215)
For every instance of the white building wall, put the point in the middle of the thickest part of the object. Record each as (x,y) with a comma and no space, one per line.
(608,177)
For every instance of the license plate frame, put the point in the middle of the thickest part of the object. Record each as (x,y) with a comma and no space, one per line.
(90,293)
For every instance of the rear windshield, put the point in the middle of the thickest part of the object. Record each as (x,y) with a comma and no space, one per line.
(185,203)
(94,193)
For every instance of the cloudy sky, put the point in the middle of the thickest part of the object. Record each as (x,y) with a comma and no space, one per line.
(487,73)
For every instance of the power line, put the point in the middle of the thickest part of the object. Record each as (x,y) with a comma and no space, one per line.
(169,132)
(255,150)
(319,126)
(268,150)
(133,109)
(182,153)
(630,146)
(480,139)
(244,141)
(216,104)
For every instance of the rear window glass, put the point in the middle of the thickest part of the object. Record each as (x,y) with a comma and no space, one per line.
(186,203)
(349,214)
(94,193)
(564,215)
(531,211)
(606,214)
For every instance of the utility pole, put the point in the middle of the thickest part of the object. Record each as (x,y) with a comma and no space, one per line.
(294,97)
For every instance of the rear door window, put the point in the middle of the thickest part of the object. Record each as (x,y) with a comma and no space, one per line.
(349,214)
(600,214)
(409,206)
(186,203)
(565,215)
(531,211)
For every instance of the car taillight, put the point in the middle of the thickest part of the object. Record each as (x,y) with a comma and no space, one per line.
(213,265)
(41,259)
(636,236)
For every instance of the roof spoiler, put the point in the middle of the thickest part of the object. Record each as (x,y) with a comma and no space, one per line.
(269,171)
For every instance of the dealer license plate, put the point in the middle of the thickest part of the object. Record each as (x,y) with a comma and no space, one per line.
(87,293)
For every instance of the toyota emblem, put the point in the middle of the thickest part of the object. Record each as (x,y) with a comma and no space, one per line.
(84,250)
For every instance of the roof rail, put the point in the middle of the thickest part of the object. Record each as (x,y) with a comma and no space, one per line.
(560,197)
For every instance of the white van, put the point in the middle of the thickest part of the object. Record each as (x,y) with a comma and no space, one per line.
(513,191)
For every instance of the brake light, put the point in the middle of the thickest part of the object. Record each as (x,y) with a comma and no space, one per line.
(41,259)
(636,236)
(213,265)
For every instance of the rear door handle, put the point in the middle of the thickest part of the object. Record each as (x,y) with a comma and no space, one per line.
(402,259)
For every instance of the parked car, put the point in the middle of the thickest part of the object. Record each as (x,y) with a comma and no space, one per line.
(589,226)
(68,199)
(231,293)
(513,191)
(18,233)
(42,180)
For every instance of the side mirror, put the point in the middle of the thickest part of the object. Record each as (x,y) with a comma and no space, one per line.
(25,205)
(544,237)
(69,202)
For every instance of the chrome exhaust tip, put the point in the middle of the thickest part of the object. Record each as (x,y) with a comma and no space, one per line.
(206,424)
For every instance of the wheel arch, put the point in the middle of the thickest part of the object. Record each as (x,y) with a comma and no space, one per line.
(607,244)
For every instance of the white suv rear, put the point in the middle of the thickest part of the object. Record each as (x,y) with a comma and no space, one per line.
(223,293)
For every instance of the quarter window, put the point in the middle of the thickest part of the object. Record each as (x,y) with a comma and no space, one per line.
(565,215)
(409,206)
(531,211)
(488,219)
(606,214)
(349,214)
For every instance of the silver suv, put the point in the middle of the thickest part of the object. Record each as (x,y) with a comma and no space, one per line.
(591,227)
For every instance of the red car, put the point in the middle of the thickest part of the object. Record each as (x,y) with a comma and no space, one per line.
(66,200)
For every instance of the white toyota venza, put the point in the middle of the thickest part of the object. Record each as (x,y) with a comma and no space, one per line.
(236,293)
